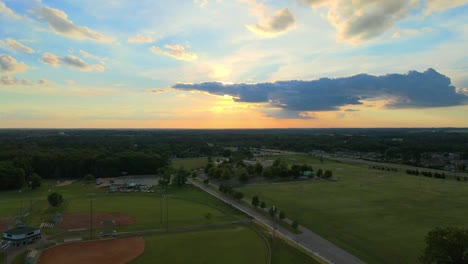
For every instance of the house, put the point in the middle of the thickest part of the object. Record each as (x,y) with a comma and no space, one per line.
(22,235)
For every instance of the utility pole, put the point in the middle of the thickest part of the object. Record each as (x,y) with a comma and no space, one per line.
(160,210)
(167,215)
(91,218)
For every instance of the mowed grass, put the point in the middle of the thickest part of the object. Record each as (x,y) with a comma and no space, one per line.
(186,206)
(189,163)
(380,216)
(227,245)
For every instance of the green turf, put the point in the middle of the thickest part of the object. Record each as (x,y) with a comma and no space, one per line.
(189,163)
(226,245)
(186,207)
(380,216)
(284,253)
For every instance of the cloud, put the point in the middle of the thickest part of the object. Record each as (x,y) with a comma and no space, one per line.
(139,38)
(16,45)
(279,113)
(8,80)
(282,21)
(94,57)
(4,10)
(9,64)
(59,23)
(411,90)
(358,21)
(202,3)
(72,61)
(441,5)
(156,91)
(176,51)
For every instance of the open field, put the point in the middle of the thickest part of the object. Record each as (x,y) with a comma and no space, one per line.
(380,216)
(189,163)
(226,245)
(113,251)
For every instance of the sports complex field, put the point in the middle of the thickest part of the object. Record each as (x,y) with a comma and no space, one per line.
(380,216)
(186,225)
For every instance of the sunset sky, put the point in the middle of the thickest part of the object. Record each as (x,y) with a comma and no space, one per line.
(233,63)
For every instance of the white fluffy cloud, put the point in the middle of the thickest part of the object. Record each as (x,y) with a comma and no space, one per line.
(16,45)
(175,51)
(4,10)
(9,80)
(60,24)
(9,64)
(361,20)
(139,38)
(72,61)
(440,5)
(281,21)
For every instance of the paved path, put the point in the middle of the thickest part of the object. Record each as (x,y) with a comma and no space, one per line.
(307,240)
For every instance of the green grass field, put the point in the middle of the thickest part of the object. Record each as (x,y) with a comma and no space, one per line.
(226,245)
(380,216)
(186,206)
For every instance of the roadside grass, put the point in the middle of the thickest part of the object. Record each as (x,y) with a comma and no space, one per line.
(189,163)
(380,216)
(227,245)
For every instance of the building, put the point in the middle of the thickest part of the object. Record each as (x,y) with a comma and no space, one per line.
(22,235)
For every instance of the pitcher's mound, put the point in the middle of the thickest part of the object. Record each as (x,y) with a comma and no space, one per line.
(110,251)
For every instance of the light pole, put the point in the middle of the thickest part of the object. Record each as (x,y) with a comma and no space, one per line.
(91,214)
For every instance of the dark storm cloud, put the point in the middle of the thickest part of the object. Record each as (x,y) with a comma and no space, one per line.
(411,90)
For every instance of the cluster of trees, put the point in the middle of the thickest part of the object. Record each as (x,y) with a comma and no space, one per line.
(174,177)
(273,211)
(229,169)
(13,177)
(228,190)
(426,174)
(384,168)
(446,245)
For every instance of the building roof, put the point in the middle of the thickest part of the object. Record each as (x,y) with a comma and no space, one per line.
(19,230)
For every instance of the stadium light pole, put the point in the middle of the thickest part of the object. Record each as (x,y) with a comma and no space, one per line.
(167,215)
(91,214)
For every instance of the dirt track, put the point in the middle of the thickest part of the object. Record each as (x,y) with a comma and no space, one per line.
(82,220)
(4,222)
(114,251)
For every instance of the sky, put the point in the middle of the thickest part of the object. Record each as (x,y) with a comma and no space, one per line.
(233,63)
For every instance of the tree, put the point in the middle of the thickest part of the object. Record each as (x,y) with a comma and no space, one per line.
(319,173)
(258,168)
(243,176)
(227,153)
(295,224)
(181,177)
(282,215)
(35,181)
(55,199)
(255,201)
(164,180)
(272,212)
(88,178)
(238,195)
(446,245)
(262,205)
(328,174)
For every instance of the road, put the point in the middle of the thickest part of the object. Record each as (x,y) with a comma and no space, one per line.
(308,240)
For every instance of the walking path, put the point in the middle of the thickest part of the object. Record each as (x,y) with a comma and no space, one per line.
(308,240)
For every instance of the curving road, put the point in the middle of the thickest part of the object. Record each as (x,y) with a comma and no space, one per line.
(308,240)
